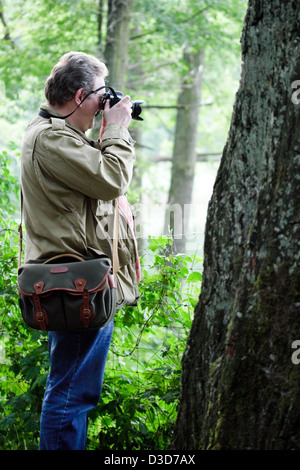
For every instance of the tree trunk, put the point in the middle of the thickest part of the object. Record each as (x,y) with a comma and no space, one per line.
(100,26)
(240,386)
(117,37)
(116,46)
(184,153)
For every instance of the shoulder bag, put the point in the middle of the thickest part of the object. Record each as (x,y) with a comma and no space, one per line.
(69,292)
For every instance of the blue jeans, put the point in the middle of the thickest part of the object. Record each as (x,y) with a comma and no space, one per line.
(73,386)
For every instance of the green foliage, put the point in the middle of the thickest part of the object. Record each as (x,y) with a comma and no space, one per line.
(142,382)
(33,45)
(23,354)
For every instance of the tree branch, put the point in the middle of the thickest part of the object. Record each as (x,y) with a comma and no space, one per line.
(155,30)
(201,157)
(177,106)
(6,36)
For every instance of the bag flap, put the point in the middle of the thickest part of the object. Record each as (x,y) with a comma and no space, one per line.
(70,276)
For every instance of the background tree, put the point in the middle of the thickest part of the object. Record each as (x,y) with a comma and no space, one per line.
(199,28)
(118,16)
(184,153)
(240,388)
(116,41)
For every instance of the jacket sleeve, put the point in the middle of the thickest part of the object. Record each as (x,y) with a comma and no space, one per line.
(99,174)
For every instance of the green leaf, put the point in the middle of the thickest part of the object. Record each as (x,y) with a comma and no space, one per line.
(194,277)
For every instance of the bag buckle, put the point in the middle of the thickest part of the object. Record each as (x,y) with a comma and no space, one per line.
(86,310)
(40,315)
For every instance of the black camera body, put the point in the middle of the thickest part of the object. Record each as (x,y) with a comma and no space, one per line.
(115,96)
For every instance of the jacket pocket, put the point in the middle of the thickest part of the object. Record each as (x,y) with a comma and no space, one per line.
(127,289)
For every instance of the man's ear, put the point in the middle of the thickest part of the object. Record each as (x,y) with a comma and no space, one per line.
(79,95)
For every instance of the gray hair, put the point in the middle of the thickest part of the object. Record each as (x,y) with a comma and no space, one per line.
(74,70)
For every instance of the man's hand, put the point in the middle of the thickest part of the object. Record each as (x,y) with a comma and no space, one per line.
(120,113)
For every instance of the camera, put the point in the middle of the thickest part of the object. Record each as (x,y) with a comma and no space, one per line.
(115,96)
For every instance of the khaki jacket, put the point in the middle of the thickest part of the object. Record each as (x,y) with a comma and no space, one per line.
(69,188)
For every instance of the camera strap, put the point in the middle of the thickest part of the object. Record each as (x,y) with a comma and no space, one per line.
(47,115)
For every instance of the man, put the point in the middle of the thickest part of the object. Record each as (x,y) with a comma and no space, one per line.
(70,185)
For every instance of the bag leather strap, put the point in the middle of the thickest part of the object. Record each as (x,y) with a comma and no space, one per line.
(115,256)
(69,255)
(20,230)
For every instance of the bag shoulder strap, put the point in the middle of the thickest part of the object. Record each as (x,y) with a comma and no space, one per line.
(33,131)
(115,256)
(20,230)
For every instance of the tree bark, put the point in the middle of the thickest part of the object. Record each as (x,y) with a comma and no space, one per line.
(240,387)
(184,153)
(100,25)
(116,46)
(117,37)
